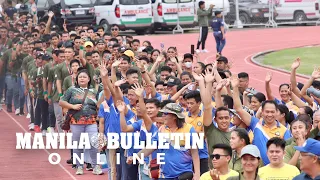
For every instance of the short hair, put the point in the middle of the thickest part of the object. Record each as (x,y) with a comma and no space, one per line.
(58,52)
(88,54)
(154,101)
(114,39)
(159,83)
(225,147)
(95,52)
(278,142)
(243,75)
(144,58)
(227,101)
(74,61)
(193,95)
(269,102)
(166,68)
(220,109)
(131,71)
(135,40)
(186,73)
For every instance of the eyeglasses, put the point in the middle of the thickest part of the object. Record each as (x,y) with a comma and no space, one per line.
(34,35)
(114,29)
(216,156)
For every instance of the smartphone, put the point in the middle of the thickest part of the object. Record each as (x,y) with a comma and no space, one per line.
(190,87)
(192,49)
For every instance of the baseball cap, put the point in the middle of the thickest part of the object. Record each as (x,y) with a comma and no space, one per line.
(217,12)
(129,53)
(310,146)
(251,150)
(172,81)
(100,41)
(173,108)
(88,43)
(233,111)
(46,57)
(222,58)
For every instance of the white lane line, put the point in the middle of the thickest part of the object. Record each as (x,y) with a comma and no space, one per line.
(17,122)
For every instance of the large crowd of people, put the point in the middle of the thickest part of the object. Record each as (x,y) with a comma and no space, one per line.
(89,80)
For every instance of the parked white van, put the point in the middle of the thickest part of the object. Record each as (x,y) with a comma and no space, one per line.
(127,14)
(296,10)
(165,13)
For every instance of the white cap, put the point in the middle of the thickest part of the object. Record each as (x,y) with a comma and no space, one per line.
(252,150)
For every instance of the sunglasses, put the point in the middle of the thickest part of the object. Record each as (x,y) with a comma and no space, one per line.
(34,35)
(216,156)
(114,29)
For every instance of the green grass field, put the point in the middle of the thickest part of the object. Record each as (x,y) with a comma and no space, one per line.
(310,56)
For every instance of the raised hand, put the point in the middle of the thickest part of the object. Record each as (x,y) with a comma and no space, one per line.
(316,73)
(209,76)
(138,90)
(103,68)
(268,77)
(117,63)
(220,85)
(120,82)
(295,64)
(121,106)
(197,77)
(50,14)
(234,81)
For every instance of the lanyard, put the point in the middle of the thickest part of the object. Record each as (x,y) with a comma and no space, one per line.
(69,69)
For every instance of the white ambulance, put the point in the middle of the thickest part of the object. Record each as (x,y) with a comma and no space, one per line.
(296,10)
(166,12)
(127,14)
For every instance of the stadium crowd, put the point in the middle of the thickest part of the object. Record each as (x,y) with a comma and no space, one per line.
(89,80)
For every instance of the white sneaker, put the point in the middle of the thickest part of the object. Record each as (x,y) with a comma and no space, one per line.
(31,126)
(197,51)
(44,132)
(97,170)
(17,111)
(28,116)
(205,51)
(79,171)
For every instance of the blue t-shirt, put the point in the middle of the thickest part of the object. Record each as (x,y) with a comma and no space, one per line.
(216,24)
(105,114)
(176,161)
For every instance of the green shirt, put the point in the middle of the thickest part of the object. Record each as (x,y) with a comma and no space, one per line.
(235,162)
(203,17)
(241,177)
(67,83)
(36,76)
(52,78)
(13,67)
(290,152)
(215,136)
(25,63)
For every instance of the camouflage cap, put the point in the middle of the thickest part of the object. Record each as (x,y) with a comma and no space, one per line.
(173,108)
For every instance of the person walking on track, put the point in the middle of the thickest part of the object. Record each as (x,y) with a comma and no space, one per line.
(203,21)
(219,32)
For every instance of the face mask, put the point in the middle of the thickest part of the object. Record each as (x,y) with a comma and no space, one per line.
(188,64)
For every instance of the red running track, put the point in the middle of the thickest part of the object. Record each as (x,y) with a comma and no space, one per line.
(241,45)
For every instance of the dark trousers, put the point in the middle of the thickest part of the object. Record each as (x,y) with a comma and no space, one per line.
(204,166)
(32,109)
(122,168)
(52,117)
(42,113)
(202,37)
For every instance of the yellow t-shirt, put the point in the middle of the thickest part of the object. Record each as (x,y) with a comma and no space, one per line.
(206,176)
(287,172)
